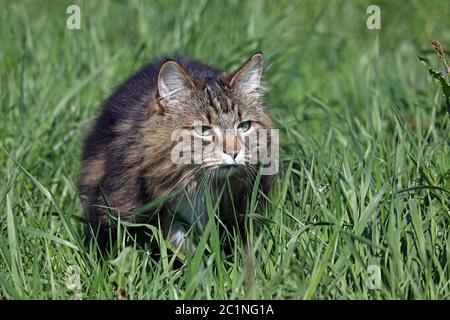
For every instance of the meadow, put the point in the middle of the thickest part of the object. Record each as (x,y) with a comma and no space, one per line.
(364,182)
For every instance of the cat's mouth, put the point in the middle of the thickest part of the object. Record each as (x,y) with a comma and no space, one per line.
(225,170)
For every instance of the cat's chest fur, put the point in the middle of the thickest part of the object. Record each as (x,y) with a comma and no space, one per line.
(190,206)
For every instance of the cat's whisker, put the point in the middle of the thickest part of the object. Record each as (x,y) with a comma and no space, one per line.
(191,172)
(251,174)
(204,180)
(213,163)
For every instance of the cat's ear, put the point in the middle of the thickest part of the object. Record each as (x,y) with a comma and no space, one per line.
(173,82)
(248,77)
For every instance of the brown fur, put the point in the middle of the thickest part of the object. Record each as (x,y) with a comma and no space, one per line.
(127,156)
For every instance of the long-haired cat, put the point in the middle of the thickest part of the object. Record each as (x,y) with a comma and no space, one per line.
(132,154)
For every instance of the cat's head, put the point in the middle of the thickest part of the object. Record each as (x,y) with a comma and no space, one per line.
(214,126)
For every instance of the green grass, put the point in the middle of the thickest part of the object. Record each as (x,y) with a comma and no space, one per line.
(365,162)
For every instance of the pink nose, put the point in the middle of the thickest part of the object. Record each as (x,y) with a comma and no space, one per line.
(229,146)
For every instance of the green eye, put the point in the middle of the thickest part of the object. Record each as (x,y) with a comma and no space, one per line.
(244,126)
(203,130)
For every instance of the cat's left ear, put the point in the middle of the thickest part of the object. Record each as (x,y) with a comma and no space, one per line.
(173,82)
(248,77)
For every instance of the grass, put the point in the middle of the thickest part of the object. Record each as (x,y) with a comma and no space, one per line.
(365,163)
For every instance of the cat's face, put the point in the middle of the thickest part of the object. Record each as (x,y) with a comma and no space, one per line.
(217,129)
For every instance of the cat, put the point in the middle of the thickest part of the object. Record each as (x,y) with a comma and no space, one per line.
(128,157)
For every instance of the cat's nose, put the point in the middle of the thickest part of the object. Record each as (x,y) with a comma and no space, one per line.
(232,153)
(229,158)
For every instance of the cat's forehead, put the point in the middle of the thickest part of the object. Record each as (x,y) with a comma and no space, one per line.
(223,109)
(227,121)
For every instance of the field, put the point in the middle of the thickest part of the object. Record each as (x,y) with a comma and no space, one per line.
(364,180)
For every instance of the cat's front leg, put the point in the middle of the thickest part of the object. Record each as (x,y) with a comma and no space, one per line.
(178,237)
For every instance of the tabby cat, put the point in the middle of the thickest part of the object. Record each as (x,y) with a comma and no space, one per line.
(129,160)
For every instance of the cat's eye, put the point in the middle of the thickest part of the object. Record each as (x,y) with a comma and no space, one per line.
(244,126)
(203,130)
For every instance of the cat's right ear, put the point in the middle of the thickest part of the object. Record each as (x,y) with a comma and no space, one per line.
(248,77)
(173,83)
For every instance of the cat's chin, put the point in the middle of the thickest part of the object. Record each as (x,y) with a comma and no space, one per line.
(226,170)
